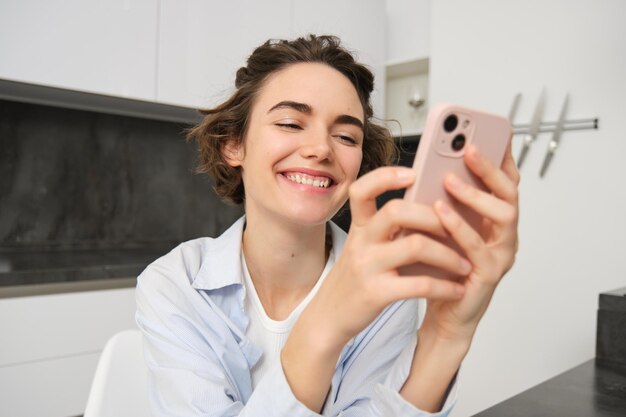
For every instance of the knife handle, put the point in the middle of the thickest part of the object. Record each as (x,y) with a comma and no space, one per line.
(549,155)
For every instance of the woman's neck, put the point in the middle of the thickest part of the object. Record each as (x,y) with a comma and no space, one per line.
(284,260)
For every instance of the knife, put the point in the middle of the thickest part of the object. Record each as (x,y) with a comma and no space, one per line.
(514,106)
(556,138)
(533,129)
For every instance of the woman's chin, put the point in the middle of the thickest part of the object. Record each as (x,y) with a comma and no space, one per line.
(309,216)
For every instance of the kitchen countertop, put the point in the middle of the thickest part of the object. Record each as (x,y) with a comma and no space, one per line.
(593,389)
(33,268)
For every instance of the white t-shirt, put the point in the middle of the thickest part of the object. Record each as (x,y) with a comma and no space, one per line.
(271,335)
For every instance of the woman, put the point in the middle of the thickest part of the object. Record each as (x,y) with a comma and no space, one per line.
(285,315)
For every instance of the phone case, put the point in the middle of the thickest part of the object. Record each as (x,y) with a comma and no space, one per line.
(436,157)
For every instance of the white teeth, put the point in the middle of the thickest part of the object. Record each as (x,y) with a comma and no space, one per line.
(309,181)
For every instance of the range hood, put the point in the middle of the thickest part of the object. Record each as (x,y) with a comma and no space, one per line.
(59,97)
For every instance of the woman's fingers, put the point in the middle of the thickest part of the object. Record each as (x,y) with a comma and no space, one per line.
(364,191)
(489,206)
(509,166)
(417,247)
(399,214)
(500,183)
(404,287)
(463,234)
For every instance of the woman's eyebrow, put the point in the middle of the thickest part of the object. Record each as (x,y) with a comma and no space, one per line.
(301,107)
(307,109)
(350,120)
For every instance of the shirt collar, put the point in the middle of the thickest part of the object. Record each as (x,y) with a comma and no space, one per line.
(221,262)
(223,267)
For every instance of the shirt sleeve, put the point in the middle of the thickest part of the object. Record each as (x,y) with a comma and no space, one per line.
(191,370)
(378,368)
(387,400)
(194,371)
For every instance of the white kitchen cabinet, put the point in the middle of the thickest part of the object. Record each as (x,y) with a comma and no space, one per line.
(181,52)
(360,24)
(202,44)
(57,387)
(407,97)
(106,47)
(408,34)
(51,345)
(407,55)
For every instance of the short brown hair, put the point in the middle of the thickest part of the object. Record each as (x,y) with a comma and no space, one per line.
(229,120)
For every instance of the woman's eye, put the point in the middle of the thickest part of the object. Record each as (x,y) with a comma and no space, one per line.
(289,126)
(347,139)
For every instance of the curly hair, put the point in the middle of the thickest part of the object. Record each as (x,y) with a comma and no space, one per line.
(228,121)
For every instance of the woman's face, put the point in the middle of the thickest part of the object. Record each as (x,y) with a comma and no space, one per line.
(303,146)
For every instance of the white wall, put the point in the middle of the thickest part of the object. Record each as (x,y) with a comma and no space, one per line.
(572,225)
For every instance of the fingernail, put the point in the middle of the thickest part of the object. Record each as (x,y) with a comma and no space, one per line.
(455,183)
(405,173)
(466,267)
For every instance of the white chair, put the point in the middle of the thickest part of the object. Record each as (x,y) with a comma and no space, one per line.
(120,385)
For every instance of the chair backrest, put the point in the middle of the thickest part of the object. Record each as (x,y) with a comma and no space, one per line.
(120,384)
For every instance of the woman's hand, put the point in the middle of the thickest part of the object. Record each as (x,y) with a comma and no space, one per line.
(449,325)
(491,252)
(364,279)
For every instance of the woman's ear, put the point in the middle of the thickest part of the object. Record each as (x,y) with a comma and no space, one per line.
(233,152)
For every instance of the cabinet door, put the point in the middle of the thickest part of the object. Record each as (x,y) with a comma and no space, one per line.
(202,44)
(51,345)
(361,25)
(105,47)
(408,35)
(56,387)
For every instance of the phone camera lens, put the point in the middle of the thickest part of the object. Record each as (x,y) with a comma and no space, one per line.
(450,123)
(458,142)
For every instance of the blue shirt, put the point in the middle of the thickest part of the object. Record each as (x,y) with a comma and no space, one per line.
(190,308)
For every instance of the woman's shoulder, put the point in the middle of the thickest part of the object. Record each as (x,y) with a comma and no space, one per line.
(179,266)
(193,260)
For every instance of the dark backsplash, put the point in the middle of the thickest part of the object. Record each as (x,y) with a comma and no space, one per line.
(79,179)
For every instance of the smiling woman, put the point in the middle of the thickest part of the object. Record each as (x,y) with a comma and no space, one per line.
(284,314)
(305,137)
(228,122)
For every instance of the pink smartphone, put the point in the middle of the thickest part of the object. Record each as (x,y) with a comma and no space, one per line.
(449,130)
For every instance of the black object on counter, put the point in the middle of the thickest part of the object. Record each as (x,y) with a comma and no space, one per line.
(611,329)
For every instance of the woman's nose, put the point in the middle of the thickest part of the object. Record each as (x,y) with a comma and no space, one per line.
(317,145)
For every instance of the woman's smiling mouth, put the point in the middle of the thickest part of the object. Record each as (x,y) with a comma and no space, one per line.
(321,182)
(317,179)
